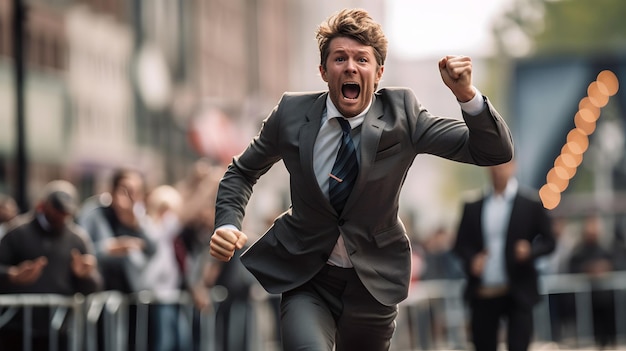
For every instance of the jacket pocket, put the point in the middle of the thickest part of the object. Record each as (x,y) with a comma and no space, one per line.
(389,235)
(392,150)
(287,238)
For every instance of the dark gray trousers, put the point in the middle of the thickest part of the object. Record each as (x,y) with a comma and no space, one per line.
(334,308)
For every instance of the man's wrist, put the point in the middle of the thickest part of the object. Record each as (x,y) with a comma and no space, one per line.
(467,96)
(475,105)
(227,226)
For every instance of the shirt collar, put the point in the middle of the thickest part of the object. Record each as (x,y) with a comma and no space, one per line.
(333,112)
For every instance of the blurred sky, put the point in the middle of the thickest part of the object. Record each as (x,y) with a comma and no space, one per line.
(420,29)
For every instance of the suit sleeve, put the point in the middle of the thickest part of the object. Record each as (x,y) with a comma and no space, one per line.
(483,139)
(235,188)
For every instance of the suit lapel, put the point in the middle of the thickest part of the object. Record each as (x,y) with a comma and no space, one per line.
(371,130)
(308,134)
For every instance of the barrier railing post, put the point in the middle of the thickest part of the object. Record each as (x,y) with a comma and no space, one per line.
(27,334)
(77,322)
(142,300)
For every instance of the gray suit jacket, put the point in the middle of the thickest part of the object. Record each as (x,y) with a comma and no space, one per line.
(396,129)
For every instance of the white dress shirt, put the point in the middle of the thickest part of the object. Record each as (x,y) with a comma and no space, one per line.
(495,218)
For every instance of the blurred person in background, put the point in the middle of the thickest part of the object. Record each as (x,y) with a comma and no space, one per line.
(8,211)
(46,253)
(342,260)
(162,274)
(112,220)
(561,304)
(592,258)
(439,261)
(500,236)
(197,189)
(113,223)
(440,264)
(234,312)
(197,215)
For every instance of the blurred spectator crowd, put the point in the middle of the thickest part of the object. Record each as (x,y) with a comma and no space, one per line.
(129,239)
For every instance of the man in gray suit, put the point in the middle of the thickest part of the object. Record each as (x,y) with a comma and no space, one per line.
(343,270)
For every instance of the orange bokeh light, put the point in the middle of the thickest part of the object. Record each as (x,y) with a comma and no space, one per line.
(581,120)
(550,196)
(589,114)
(553,178)
(577,157)
(566,164)
(567,160)
(579,142)
(585,104)
(609,81)
(596,96)
(562,171)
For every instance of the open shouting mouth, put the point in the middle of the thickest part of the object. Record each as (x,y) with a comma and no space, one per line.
(350,90)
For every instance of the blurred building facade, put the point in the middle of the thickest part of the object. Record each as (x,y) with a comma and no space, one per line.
(112,83)
(45,90)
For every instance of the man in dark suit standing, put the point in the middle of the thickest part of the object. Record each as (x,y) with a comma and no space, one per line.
(340,255)
(499,238)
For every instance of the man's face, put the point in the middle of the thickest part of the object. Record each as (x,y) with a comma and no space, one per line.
(56,218)
(501,173)
(128,192)
(351,73)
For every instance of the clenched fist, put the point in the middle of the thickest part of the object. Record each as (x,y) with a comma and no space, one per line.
(225,241)
(456,72)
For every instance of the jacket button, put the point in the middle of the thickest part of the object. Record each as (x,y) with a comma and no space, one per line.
(341,222)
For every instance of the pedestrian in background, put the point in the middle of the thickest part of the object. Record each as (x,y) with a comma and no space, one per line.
(122,246)
(162,274)
(592,258)
(499,238)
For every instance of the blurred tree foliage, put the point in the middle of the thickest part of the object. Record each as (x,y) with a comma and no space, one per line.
(562,27)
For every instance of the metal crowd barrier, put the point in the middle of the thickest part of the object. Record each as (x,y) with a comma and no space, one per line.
(434,316)
(105,316)
(61,309)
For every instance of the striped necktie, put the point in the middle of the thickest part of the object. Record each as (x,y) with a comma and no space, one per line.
(345,169)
